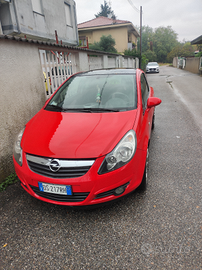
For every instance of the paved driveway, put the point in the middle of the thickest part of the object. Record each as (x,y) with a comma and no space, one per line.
(158,229)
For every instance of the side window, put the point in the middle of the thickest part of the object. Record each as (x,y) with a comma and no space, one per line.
(144,90)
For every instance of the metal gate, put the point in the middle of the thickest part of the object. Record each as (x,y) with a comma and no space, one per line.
(56,68)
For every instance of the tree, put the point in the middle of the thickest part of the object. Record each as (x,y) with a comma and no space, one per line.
(164,40)
(132,52)
(156,44)
(151,56)
(106,11)
(147,38)
(106,44)
(181,50)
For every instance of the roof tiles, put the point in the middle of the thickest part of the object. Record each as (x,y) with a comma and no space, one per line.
(100,21)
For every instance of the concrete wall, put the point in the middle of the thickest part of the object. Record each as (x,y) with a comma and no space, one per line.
(192,64)
(175,61)
(21,94)
(20,18)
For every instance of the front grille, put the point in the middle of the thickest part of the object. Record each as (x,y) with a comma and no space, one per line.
(76,197)
(65,169)
(62,173)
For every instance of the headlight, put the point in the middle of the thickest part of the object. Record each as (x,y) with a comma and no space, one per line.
(121,154)
(17,148)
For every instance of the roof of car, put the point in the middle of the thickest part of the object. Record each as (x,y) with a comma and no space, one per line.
(109,71)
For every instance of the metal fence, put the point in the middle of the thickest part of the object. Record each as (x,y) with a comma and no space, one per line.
(56,68)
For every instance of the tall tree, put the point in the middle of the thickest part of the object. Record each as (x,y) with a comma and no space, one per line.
(164,40)
(106,11)
(156,44)
(147,38)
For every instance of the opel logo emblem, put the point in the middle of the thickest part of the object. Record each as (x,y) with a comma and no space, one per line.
(54,165)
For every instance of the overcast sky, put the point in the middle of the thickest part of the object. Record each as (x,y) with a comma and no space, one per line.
(184,16)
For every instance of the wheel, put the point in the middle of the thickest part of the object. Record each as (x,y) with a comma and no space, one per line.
(143,185)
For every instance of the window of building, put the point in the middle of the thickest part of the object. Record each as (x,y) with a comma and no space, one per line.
(83,41)
(36,5)
(68,14)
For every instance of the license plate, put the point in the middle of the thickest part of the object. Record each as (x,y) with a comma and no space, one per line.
(56,189)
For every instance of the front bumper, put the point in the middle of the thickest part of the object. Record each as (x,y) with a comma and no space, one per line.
(152,70)
(89,189)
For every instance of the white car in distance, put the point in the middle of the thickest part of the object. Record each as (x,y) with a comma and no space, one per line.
(152,67)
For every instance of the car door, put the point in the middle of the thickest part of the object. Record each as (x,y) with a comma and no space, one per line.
(145,114)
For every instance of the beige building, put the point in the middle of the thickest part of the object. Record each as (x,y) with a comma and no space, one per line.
(123,32)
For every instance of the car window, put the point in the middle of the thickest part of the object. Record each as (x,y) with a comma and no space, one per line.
(108,91)
(144,91)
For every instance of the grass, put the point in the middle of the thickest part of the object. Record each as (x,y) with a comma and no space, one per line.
(11,179)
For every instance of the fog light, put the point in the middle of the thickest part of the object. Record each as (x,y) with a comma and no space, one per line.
(118,191)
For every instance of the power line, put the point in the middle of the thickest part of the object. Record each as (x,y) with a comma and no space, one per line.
(131,3)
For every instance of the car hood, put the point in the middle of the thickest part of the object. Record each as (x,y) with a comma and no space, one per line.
(75,135)
(153,66)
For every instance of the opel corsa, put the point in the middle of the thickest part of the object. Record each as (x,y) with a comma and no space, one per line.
(89,143)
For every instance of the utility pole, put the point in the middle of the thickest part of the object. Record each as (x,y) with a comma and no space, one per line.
(131,3)
(140,36)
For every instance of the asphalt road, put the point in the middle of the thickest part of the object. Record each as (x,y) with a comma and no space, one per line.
(158,229)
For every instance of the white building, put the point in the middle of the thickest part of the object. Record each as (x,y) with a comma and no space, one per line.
(40,19)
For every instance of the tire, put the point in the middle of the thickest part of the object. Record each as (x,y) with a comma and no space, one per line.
(143,185)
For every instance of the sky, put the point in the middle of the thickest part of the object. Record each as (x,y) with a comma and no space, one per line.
(184,16)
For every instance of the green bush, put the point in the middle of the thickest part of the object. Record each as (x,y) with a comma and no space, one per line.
(106,44)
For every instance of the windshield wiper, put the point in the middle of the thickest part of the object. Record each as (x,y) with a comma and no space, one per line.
(54,107)
(104,110)
(87,110)
(96,110)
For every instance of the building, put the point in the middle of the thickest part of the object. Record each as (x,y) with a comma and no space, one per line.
(197,40)
(40,19)
(123,32)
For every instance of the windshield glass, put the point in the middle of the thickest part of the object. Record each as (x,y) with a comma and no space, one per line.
(153,64)
(96,93)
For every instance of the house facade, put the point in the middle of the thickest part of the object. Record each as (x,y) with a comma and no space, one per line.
(124,33)
(44,20)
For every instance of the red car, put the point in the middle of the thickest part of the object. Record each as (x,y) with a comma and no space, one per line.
(89,143)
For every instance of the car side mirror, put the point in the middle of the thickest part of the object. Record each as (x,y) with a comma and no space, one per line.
(153,101)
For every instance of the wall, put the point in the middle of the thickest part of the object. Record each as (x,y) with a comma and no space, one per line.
(119,34)
(22,94)
(19,18)
(192,64)
(175,61)
(23,91)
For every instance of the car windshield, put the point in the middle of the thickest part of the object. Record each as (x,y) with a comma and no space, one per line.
(153,64)
(106,92)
